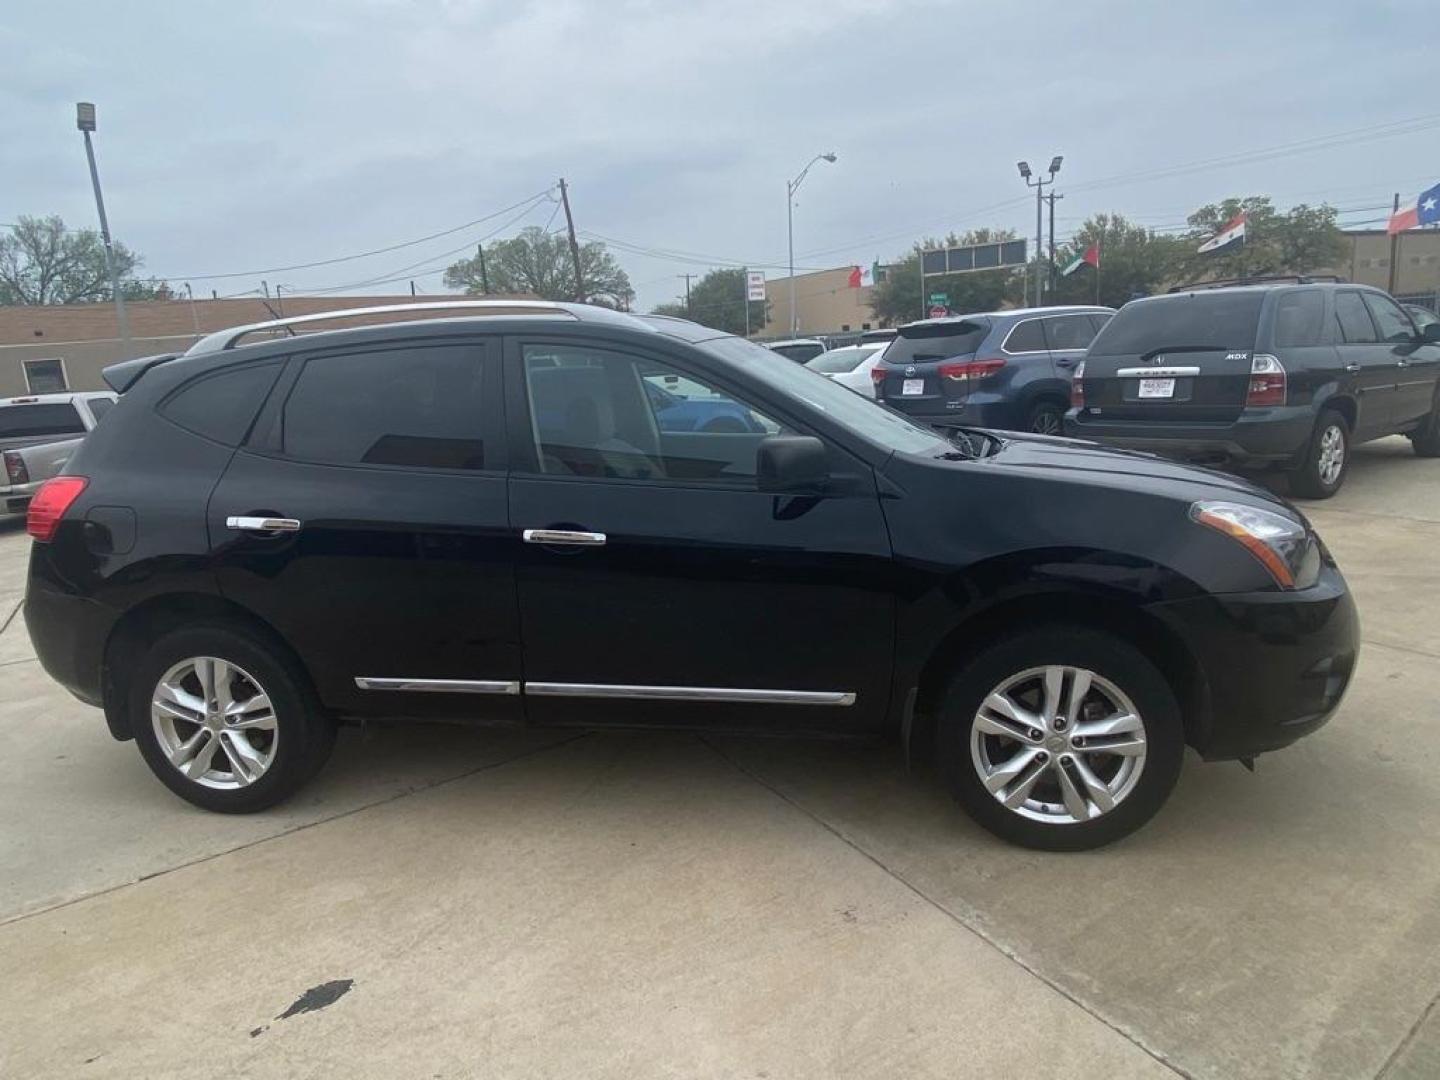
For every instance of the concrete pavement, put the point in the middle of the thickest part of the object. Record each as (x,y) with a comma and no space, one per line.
(540,904)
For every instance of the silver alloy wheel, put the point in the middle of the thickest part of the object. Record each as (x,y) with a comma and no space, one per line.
(1058,744)
(214,722)
(1332,454)
(1046,422)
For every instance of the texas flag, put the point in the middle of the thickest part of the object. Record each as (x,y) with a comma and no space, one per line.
(1426,211)
(862,277)
(1233,234)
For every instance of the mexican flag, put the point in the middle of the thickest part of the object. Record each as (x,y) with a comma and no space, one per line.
(1091,258)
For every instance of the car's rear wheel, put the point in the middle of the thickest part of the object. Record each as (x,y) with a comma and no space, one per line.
(225,721)
(1045,418)
(1327,458)
(1061,738)
(1426,438)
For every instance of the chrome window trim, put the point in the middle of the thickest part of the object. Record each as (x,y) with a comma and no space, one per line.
(1016,326)
(692,693)
(1157,372)
(438,686)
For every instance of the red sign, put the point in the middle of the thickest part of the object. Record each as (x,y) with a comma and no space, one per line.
(938,312)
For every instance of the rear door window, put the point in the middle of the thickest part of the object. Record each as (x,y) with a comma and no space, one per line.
(1395,326)
(926,342)
(1356,326)
(1299,319)
(1214,320)
(40,418)
(1069,332)
(1026,336)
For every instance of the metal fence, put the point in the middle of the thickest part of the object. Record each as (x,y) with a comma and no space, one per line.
(1430,300)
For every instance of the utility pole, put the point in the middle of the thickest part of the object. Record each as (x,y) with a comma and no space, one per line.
(194,315)
(1051,200)
(484,277)
(687,278)
(1039,183)
(412,286)
(1394,248)
(574,245)
(85,121)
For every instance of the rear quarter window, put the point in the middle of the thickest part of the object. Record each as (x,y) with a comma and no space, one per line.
(1216,320)
(222,405)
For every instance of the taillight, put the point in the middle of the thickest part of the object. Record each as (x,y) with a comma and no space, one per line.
(1267,381)
(877,376)
(15,468)
(49,505)
(969,370)
(1077,387)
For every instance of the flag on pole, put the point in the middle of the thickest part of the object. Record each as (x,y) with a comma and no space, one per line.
(1426,211)
(862,277)
(1232,235)
(1091,258)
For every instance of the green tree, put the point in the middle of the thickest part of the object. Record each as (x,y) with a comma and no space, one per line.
(718,300)
(538,263)
(42,262)
(1133,261)
(900,298)
(1304,240)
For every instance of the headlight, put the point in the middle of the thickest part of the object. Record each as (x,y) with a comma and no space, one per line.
(1283,545)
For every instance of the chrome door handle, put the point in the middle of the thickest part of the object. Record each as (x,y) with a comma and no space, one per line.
(564,537)
(262,524)
(1352,368)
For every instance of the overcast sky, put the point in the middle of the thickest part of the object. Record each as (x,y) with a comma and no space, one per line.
(245,136)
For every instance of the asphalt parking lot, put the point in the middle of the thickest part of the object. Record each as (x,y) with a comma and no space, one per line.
(487,903)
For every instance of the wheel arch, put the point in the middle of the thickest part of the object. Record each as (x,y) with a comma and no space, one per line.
(1342,403)
(147,622)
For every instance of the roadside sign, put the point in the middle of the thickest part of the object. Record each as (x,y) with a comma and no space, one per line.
(943,299)
(755,284)
(939,311)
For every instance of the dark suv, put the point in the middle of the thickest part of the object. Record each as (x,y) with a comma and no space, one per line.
(1286,376)
(1008,370)
(486,519)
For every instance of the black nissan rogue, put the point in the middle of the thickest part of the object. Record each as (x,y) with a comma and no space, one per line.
(494,518)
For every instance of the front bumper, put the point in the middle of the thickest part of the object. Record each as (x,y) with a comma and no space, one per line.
(1275,664)
(1257,437)
(14,498)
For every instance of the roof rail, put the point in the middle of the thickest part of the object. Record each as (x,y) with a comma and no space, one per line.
(1264,279)
(228,339)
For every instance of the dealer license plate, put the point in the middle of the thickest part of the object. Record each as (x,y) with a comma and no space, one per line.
(912,388)
(1157,388)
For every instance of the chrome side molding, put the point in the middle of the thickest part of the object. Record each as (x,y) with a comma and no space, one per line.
(692,693)
(1157,372)
(438,686)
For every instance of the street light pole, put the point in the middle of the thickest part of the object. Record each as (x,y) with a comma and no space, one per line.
(792,186)
(1039,183)
(85,121)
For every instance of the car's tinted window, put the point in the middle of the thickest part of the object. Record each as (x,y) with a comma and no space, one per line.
(221,406)
(925,342)
(1069,332)
(1394,324)
(603,414)
(1218,320)
(411,406)
(1026,336)
(1356,327)
(1299,319)
(41,418)
(99,406)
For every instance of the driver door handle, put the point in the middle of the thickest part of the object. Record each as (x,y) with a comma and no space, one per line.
(564,538)
(1352,368)
(262,524)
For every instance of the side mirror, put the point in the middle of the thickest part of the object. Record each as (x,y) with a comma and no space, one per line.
(1431,334)
(791,464)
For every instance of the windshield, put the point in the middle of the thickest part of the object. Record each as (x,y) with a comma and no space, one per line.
(866,418)
(1217,320)
(924,342)
(839,361)
(22,421)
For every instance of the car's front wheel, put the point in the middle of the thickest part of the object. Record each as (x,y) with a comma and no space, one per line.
(1045,418)
(225,721)
(1061,738)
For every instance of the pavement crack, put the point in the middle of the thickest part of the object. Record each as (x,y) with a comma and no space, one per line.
(1400,648)
(298,828)
(11,617)
(1410,1037)
(1000,947)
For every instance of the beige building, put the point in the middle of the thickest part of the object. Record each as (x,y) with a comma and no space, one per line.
(1417,265)
(46,349)
(825,302)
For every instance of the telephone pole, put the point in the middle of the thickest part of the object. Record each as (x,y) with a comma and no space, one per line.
(574,245)
(1394,248)
(1051,200)
(687,278)
(484,277)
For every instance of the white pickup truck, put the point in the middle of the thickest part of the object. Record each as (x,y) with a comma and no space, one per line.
(38,434)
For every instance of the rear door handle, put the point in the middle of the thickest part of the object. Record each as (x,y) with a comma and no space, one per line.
(1353,369)
(262,524)
(564,538)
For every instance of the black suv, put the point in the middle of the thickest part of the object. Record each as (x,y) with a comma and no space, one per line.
(1270,375)
(495,519)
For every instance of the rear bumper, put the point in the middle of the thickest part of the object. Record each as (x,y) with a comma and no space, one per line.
(1256,437)
(69,634)
(1002,415)
(1276,663)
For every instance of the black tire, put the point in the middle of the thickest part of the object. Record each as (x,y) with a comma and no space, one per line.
(1426,438)
(1307,480)
(1115,661)
(1046,418)
(303,734)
